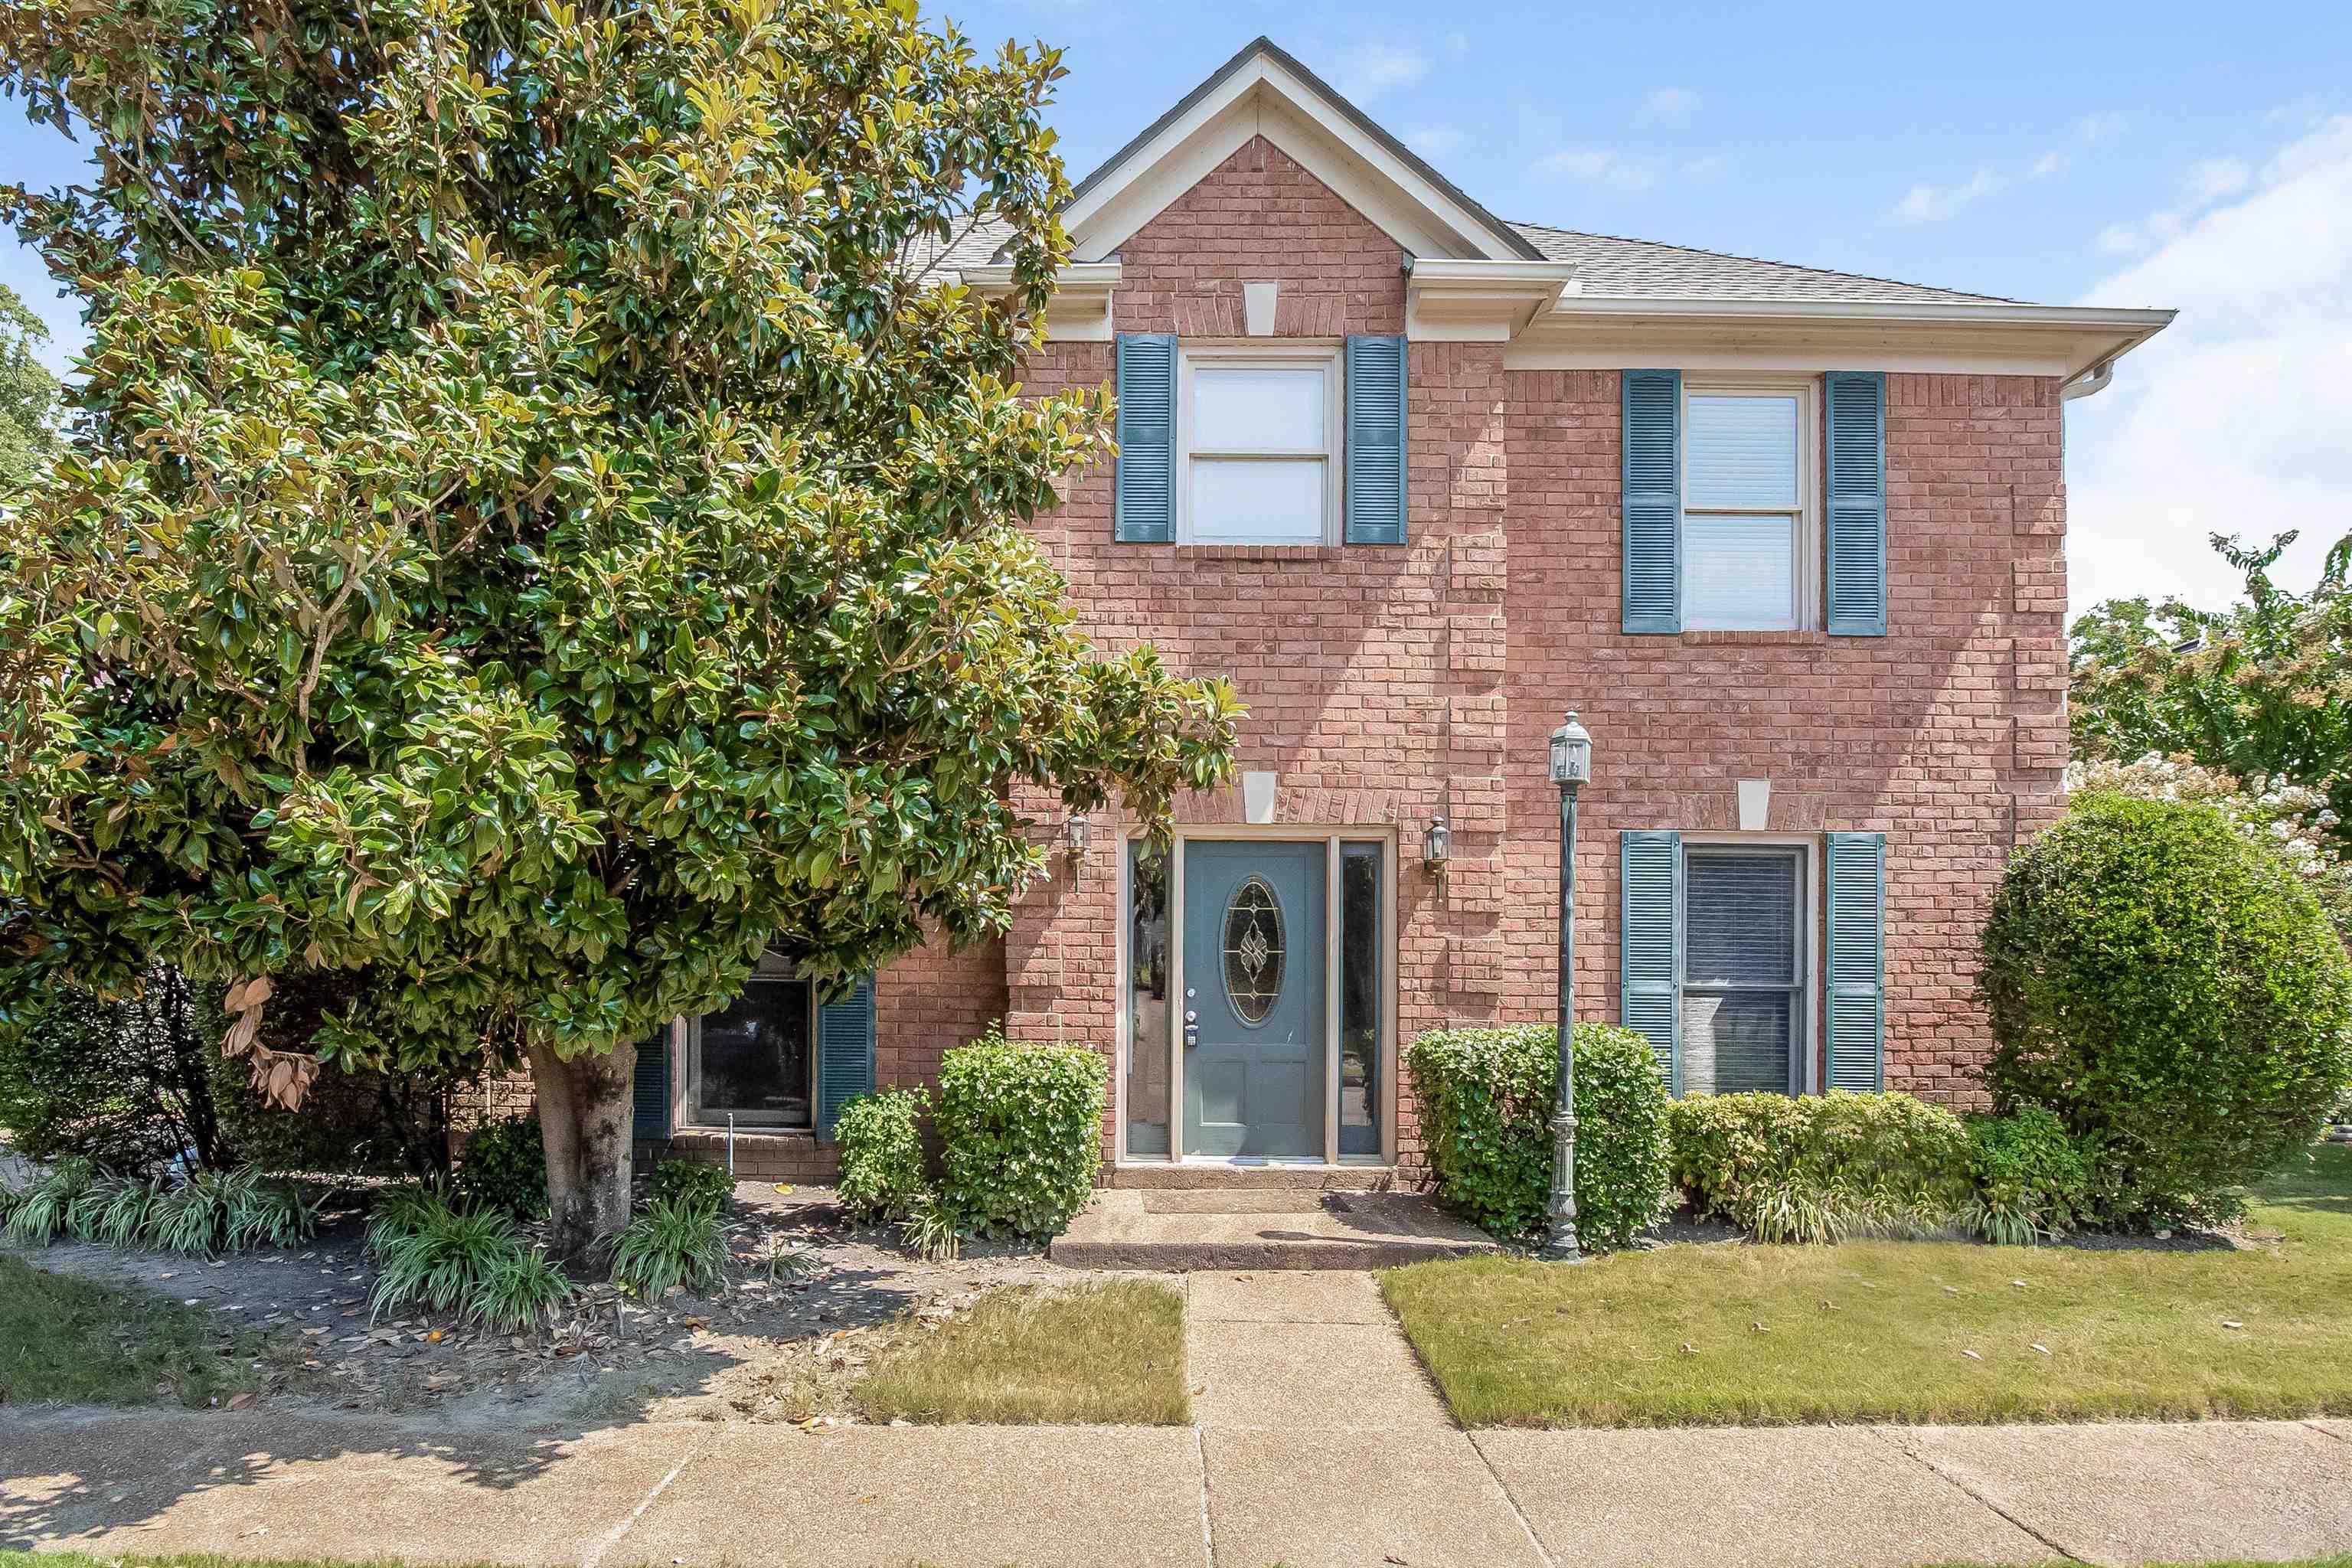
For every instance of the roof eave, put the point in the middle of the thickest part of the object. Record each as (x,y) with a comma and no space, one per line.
(2072,339)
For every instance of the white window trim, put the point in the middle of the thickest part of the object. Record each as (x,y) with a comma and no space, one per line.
(1806,569)
(1292,354)
(690,1112)
(1390,994)
(1809,847)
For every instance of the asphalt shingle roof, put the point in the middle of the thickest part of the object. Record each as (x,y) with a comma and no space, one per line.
(1642,269)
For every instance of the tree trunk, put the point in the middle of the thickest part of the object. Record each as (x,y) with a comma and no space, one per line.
(584,1114)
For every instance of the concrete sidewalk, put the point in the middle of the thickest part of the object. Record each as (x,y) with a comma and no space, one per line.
(1317,1441)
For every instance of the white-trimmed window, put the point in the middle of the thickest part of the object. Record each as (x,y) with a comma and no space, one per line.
(1750,541)
(1258,445)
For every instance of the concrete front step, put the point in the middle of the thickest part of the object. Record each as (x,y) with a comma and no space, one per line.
(1261,1228)
(1233,1176)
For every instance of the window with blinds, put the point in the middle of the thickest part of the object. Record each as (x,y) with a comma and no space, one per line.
(1743,969)
(1746,516)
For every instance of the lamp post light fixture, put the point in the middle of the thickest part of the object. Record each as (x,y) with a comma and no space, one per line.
(1437,846)
(1572,770)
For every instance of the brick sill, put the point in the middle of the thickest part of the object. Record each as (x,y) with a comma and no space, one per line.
(1754,639)
(717,1136)
(1259,552)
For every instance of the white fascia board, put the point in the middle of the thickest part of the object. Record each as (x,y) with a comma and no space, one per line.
(1451,300)
(1593,332)
(1080,309)
(996,276)
(1263,98)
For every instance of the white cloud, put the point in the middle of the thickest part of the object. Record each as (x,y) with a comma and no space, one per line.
(2201,185)
(1926,203)
(1670,102)
(1435,142)
(2232,420)
(1373,67)
(2210,179)
(1608,169)
(1598,166)
(1933,203)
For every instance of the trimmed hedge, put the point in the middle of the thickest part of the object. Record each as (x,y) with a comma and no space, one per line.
(881,1138)
(1486,1097)
(2174,994)
(1822,1167)
(1020,1126)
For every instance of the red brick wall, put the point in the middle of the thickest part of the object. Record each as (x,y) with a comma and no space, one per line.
(1387,684)
(931,1001)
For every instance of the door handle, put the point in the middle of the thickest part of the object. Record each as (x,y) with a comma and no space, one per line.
(1192,1035)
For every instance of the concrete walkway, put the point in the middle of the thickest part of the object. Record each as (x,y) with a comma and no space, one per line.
(1317,1441)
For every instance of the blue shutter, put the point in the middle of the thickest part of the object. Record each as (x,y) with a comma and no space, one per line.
(1650,944)
(1857,498)
(649,1091)
(1145,509)
(1376,420)
(845,1053)
(1857,977)
(1654,501)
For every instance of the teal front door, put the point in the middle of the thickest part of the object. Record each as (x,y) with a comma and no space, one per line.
(1253,1018)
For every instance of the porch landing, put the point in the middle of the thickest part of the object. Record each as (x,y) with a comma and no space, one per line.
(1262,1227)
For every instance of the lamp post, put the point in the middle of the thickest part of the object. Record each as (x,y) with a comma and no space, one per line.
(1572,770)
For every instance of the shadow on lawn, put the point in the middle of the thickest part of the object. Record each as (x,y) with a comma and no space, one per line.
(75,1477)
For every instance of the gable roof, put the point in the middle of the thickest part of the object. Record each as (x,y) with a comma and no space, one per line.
(1562,299)
(1607,266)
(1262,49)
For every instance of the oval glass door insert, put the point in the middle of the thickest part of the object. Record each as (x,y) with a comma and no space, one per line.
(1254,949)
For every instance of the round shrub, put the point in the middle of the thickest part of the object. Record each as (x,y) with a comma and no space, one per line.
(1821,1167)
(692,1182)
(881,1138)
(2031,1179)
(505,1168)
(2173,994)
(1021,1132)
(1486,1098)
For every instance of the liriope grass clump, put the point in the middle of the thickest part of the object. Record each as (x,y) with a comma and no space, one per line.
(42,1211)
(209,1212)
(675,1244)
(434,1255)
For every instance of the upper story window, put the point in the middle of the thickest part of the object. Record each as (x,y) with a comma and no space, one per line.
(1750,543)
(1258,445)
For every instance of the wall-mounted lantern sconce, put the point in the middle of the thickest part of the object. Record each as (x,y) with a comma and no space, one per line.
(1078,834)
(1436,846)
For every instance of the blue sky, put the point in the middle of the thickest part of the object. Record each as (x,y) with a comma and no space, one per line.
(2134,154)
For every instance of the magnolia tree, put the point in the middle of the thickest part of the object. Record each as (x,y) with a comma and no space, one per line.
(536,531)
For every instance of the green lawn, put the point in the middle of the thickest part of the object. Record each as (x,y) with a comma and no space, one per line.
(1112,1353)
(74,1342)
(1903,1330)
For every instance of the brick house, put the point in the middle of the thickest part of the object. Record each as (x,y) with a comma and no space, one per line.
(1417,481)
